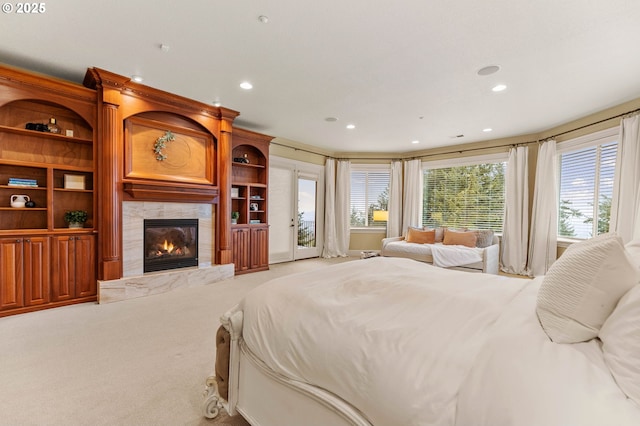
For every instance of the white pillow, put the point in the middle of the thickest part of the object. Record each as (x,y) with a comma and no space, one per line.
(582,288)
(633,250)
(620,337)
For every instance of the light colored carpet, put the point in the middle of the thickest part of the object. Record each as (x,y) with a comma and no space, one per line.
(224,419)
(137,362)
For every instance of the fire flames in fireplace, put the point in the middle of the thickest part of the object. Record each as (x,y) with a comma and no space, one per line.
(171,250)
(170,244)
(167,248)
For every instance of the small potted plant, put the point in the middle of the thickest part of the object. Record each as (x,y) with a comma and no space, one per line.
(76,218)
(234,217)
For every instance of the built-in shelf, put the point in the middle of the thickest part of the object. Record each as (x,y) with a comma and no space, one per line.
(46,135)
(34,209)
(258,166)
(44,263)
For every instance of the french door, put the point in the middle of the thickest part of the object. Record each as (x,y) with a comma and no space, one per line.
(296,192)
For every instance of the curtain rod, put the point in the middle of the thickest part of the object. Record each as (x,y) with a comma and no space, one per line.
(592,124)
(300,149)
(329,156)
(460,151)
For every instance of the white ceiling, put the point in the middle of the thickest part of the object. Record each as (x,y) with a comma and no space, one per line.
(399,70)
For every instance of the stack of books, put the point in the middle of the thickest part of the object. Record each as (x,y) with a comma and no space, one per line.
(23,182)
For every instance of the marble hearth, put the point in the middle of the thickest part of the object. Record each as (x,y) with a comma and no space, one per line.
(134,282)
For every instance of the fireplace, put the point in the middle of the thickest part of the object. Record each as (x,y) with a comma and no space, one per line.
(170,244)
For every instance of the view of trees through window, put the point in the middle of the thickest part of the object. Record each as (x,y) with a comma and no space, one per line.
(464,196)
(369,192)
(473,196)
(586,189)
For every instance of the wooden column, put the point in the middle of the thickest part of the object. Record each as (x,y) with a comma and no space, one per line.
(224,254)
(110,264)
(109,172)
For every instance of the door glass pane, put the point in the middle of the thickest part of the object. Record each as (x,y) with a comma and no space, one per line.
(306,213)
(281,221)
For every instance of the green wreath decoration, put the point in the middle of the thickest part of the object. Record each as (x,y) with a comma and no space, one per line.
(161,143)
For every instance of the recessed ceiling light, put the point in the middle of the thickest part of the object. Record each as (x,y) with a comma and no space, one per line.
(263,18)
(488,129)
(351,126)
(217,103)
(415,142)
(491,69)
(164,47)
(246,85)
(137,78)
(499,88)
(331,119)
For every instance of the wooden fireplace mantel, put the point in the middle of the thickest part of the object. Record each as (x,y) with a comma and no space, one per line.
(152,191)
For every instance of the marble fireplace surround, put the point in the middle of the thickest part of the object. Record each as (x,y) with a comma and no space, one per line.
(134,282)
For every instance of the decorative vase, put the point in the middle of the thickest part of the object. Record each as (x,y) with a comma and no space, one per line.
(19,201)
(76,225)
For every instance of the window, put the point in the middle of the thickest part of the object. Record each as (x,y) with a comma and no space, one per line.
(369,194)
(586,169)
(469,194)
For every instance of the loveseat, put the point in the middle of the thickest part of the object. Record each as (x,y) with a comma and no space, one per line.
(443,247)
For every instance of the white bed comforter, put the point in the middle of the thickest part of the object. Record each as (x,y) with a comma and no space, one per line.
(407,344)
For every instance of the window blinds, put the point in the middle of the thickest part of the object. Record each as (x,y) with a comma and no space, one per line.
(465,196)
(586,189)
(369,192)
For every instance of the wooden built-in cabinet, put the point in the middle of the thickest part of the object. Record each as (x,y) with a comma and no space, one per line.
(61,170)
(240,236)
(104,149)
(24,267)
(73,271)
(259,250)
(249,197)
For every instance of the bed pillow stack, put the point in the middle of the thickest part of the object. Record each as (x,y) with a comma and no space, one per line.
(582,288)
(620,336)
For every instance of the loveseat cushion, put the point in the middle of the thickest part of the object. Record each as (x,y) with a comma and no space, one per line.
(468,239)
(485,237)
(420,236)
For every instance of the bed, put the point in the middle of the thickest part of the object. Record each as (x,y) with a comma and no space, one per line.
(392,341)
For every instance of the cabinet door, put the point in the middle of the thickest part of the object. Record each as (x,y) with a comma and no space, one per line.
(85,266)
(36,270)
(240,247)
(259,248)
(11,273)
(62,268)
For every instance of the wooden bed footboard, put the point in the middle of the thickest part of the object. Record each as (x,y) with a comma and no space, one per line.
(262,396)
(219,389)
(223,350)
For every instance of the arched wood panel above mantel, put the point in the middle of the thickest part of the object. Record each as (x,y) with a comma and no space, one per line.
(159,150)
(184,170)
